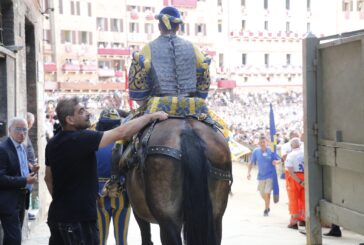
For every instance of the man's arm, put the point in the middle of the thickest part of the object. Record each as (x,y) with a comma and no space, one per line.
(127,130)
(49,179)
(250,166)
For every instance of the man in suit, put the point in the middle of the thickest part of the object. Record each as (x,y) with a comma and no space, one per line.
(15,181)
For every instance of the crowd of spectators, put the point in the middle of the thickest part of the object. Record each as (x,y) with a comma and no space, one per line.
(247,113)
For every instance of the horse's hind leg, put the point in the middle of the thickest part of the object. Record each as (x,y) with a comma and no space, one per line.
(144,230)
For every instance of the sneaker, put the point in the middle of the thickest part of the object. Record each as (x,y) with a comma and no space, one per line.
(266,211)
(293,226)
(31,216)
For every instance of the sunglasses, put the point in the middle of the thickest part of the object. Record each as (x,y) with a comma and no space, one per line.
(21,130)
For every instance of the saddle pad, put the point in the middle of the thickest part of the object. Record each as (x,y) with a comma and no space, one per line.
(177,106)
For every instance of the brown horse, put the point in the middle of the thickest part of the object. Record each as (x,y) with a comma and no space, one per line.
(183,182)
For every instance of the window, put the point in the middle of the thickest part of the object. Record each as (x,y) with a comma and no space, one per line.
(101,24)
(66,37)
(360,5)
(78,9)
(115,25)
(265,4)
(288,59)
(219,26)
(60,3)
(242,25)
(83,37)
(200,29)
(133,27)
(266,25)
(288,27)
(243,59)
(308,27)
(47,36)
(266,60)
(347,5)
(185,29)
(221,60)
(89,9)
(46,4)
(148,28)
(219,2)
(288,3)
(72,8)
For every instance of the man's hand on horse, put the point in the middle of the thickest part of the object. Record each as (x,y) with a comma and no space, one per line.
(159,115)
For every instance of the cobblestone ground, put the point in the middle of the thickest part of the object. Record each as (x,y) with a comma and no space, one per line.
(243,221)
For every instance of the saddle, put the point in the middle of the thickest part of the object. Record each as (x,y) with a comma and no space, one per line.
(138,149)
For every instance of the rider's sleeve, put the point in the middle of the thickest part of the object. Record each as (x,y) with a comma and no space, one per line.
(139,82)
(203,73)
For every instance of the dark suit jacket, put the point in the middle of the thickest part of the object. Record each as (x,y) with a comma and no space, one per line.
(12,184)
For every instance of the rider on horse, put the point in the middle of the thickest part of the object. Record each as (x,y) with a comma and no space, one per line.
(169,69)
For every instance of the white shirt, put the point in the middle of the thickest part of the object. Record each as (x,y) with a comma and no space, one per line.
(295,159)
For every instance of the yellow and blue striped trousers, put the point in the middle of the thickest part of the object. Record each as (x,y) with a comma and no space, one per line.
(119,210)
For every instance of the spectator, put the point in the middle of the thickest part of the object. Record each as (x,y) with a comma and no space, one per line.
(266,159)
(71,171)
(32,162)
(15,181)
(295,184)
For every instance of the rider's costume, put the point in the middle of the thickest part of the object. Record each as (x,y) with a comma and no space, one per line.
(116,206)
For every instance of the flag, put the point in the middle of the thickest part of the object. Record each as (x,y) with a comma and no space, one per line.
(273,138)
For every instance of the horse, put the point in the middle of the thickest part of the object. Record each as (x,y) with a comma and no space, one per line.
(182,183)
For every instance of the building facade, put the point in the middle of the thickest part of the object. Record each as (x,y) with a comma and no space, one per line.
(253,43)
(21,68)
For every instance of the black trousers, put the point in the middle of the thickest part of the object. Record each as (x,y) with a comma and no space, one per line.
(78,233)
(12,223)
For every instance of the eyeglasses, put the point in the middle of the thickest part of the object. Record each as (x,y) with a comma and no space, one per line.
(21,130)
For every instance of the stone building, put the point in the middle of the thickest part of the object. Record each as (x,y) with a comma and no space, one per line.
(21,68)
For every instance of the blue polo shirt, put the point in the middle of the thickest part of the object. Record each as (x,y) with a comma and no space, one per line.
(264,159)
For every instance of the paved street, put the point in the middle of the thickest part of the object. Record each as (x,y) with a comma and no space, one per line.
(243,221)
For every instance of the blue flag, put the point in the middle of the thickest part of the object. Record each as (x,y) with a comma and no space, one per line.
(273,138)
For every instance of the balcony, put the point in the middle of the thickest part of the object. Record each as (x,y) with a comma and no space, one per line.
(50,86)
(113,51)
(149,16)
(88,86)
(71,68)
(119,73)
(106,73)
(184,3)
(134,15)
(88,68)
(226,84)
(50,67)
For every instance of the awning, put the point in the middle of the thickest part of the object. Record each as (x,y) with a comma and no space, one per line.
(226,84)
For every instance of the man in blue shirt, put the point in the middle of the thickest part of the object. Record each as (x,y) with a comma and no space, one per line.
(266,160)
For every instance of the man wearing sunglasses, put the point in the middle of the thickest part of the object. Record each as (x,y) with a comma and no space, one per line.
(15,181)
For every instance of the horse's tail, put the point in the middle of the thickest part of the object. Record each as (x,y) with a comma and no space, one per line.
(198,224)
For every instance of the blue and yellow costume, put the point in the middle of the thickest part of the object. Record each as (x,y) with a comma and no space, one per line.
(116,208)
(170,73)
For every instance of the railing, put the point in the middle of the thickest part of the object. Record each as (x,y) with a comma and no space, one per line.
(70,68)
(50,67)
(113,51)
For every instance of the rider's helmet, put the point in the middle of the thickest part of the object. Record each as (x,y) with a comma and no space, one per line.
(109,119)
(169,18)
